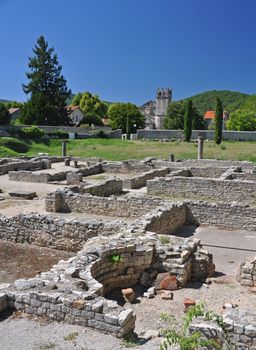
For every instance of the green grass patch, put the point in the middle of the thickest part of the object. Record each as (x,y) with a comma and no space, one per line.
(71,336)
(113,149)
(14,144)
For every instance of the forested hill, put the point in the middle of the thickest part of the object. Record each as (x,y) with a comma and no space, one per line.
(231,100)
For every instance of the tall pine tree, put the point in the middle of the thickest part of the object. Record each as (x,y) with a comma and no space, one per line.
(188,120)
(218,122)
(47,88)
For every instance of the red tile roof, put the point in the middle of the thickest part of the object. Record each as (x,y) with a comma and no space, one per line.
(13,110)
(210,115)
(72,108)
(105,121)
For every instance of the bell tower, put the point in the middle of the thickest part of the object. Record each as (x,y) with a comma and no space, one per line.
(163,98)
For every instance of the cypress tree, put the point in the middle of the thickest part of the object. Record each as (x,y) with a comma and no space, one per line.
(218,122)
(188,120)
(46,87)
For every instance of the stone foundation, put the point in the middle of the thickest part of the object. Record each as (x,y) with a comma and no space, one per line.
(240,327)
(205,188)
(233,216)
(141,180)
(73,290)
(104,188)
(52,232)
(247,273)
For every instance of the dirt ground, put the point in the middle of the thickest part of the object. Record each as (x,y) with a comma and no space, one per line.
(25,260)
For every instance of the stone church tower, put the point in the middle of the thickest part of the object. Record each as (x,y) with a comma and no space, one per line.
(163,98)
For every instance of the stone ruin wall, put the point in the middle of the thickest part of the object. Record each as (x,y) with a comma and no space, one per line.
(240,330)
(56,233)
(67,201)
(247,273)
(205,188)
(221,214)
(32,164)
(81,281)
(124,167)
(202,163)
(104,188)
(139,181)
(28,176)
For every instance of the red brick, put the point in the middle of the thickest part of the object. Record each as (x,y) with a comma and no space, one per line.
(169,283)
(159,278)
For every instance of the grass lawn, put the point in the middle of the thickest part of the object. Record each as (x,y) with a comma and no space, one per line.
(111,149)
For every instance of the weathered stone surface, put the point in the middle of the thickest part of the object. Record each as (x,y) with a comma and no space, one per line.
(188,302)
(128,294)
(160,277)
(23,194)
(169,283)
(79,304)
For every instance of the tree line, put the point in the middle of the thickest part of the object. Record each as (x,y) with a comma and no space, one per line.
(48,94)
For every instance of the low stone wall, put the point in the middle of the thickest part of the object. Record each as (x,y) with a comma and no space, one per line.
(202,163)
(206,134)
(205,188)
(166,220)
(241,327)
(27,163)
(245,176)
(68,201)
(52,232)
(208,172)
(224,215)
(104,188)
(126,167)
(75,308)
(22,165)
(247,273)
(240,330)
(28,176)
(141,180)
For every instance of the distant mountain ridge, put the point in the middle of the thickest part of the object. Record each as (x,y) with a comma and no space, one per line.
(206,101)
(4,101)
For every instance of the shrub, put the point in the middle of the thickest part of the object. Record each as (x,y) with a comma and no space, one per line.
(58,134)
(100,134)
(195,340)
(31,132)
(13,144)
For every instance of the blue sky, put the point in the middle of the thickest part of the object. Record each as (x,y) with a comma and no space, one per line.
(124,49)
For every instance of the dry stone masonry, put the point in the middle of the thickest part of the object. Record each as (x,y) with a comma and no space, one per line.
(73,290)
(135,243)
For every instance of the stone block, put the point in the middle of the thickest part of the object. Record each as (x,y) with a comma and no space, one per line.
(23,194)
(169,283)
(128,294)
(79,304)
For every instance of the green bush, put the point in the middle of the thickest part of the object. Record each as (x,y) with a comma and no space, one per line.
(14,144)
(100,134)
(58,134)
(31,132)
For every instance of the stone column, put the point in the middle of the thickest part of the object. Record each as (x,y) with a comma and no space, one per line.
(67,162)
(64,148)
(200,148)
(171,157)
